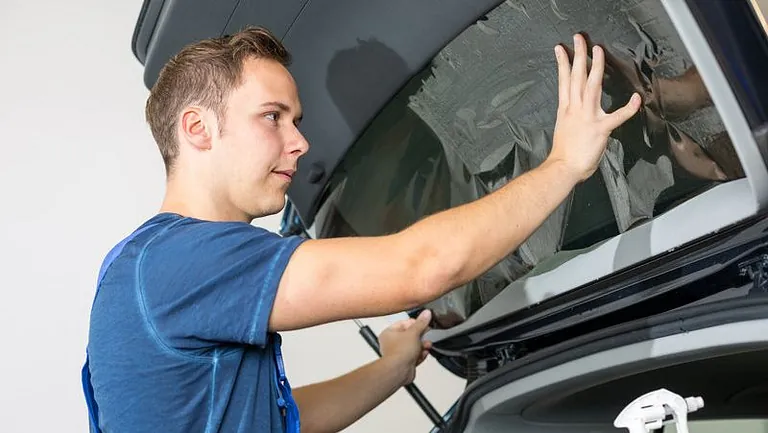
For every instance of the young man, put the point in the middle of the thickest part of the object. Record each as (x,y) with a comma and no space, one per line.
(184,326)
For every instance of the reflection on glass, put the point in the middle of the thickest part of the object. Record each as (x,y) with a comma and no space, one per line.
(484,111)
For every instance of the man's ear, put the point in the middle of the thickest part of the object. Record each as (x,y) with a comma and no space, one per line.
(196,128)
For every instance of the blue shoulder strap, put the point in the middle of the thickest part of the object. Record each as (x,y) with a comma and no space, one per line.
(93,408)
(285,401)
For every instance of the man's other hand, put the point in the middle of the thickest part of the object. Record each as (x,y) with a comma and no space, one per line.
(401,342)
(582,127)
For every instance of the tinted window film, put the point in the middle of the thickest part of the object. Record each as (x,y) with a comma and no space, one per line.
(483,113)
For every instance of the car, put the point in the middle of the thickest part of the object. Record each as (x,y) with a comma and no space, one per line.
(651,276)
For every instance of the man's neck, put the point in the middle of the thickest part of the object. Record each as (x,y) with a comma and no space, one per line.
(191,201)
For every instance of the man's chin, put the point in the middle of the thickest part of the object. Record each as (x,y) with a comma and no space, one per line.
(274,207)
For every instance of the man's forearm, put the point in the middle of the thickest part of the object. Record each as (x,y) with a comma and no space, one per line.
(476,236)
(374,276)
(333,405)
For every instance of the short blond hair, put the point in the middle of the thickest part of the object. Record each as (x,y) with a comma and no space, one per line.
(204,73)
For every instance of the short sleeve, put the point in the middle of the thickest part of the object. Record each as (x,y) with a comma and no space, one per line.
(211,283)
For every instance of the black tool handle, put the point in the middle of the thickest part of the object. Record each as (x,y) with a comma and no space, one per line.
(412,389)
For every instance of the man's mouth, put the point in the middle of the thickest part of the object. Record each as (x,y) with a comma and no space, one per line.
(286,174)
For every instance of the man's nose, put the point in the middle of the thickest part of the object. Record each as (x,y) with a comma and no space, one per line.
(298,145)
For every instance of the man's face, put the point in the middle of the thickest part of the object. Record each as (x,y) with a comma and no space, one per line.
(257,153)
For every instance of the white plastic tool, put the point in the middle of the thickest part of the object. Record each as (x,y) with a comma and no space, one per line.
(647,413)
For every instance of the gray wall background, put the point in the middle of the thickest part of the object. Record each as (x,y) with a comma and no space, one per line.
(78,171)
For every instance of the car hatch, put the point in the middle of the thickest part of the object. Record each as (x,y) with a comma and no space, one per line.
(416,107)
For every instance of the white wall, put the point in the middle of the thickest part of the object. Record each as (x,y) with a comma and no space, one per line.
(78,171)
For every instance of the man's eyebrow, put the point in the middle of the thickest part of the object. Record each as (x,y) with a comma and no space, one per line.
(282,106)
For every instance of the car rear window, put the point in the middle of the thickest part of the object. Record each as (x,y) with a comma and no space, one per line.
(483,112)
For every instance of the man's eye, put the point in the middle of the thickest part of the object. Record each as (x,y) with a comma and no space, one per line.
(272,116)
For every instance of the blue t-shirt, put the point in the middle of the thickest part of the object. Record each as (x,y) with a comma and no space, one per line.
(178,334)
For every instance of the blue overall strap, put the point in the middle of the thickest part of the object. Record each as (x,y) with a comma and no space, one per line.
(93,408)
(285,401)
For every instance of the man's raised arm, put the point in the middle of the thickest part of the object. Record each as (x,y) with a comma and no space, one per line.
(334,279)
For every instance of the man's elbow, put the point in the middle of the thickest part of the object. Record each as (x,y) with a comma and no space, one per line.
(433,273)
